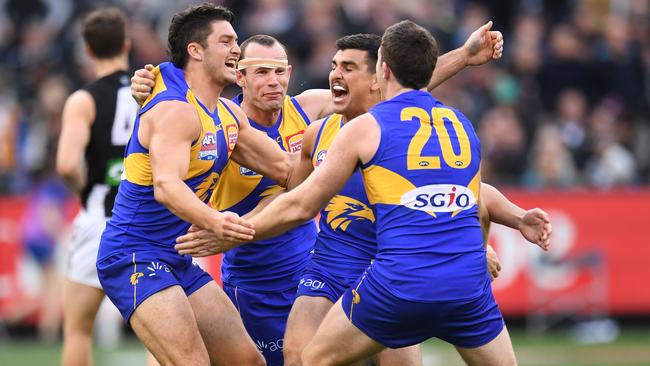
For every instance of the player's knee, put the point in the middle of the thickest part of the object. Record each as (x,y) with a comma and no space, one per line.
(291,356)
(311,357)
(254,359)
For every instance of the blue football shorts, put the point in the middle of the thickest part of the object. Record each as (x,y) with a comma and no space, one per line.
(129,278)
(265,318)
(316,281)
(395,323)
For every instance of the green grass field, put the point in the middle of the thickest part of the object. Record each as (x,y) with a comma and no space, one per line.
(632,348)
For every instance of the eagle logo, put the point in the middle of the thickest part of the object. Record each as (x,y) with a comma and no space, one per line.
(342,210)
(135,277)
(207,185)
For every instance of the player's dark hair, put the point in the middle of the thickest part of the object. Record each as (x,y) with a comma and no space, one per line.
(364,42)
(104,31)
(411,53)
(193,24)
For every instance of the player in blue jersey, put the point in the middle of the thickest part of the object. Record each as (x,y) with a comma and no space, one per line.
(261,278)
(420,164)
(183,138)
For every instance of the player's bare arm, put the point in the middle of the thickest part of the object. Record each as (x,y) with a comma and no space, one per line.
(168,131)
(78,116)
(533,224)
(317,103)
(257,152)
(202,243)
(357,141)
(482,46)
(304,166)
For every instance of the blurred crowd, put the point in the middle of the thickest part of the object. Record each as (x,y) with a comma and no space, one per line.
(567,105)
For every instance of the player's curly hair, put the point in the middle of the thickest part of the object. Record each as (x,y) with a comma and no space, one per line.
(193,25)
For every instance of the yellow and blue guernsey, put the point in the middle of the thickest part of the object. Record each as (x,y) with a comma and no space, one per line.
(273,264)
(139,222)
(346,242)
(424,184)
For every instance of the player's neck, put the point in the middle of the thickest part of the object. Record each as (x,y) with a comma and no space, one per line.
(107,66)
(394,89)
(261,117)
(204,88)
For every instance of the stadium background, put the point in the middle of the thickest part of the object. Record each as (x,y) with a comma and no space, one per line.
(563,117)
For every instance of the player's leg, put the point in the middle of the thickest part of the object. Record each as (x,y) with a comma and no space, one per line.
(306,315)
(222,329)
(406,356)
(166,325)
(498,352)
(338,341)
(80,306)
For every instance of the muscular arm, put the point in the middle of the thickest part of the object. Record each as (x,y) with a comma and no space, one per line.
(356,142)
(482,46)
(258,152)
(317,103)
(78,116)
(304,167)
(168,130)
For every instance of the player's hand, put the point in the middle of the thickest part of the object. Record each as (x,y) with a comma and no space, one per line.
(229,231)
(483,45)
(536,227)
(142,83)
(493,264)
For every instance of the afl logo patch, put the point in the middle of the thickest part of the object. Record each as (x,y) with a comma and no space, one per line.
(208,147)
(320,157)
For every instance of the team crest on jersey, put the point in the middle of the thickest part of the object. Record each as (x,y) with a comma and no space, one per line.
(320,157)
(232,132)
(209,147)
(342,210)
(294,142)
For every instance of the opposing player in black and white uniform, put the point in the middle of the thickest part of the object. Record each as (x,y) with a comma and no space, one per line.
(97,124)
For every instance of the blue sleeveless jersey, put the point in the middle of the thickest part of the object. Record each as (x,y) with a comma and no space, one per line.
(424,183)
(346,242)
(139,222)
(276,263)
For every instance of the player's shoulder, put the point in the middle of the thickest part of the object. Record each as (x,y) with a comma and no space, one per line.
(234,109)
(80,99)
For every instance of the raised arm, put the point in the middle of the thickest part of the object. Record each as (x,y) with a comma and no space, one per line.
(78,116)
(168,130)
(482,46)
(304,166)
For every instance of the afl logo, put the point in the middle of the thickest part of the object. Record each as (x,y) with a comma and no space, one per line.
(208,147)
(320,157)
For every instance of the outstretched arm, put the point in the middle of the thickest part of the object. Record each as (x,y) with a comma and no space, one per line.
(482,46)
(533,224)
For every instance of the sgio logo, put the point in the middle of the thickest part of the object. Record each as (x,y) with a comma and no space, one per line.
(439,198)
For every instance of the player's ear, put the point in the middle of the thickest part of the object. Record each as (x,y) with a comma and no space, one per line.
(385,71)
(195,51)
(374,83)
(126,48)
(241,80)
(89,52)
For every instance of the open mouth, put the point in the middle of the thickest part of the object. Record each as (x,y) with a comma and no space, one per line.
(339,93)
(231,64)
